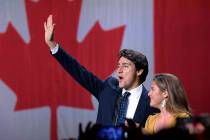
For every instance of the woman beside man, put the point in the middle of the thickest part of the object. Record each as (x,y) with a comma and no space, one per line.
(168,95)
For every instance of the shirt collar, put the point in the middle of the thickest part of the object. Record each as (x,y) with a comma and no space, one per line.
(135,93)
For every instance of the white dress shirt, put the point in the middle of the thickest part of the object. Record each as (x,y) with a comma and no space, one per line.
(55,49)
(133,101)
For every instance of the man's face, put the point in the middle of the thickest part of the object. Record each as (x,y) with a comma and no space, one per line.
(127,74)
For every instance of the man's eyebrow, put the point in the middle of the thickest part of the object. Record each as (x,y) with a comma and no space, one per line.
(125,63)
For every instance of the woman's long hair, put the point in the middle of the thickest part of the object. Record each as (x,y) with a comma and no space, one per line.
(177,101)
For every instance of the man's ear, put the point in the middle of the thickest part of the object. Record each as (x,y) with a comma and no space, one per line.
(139,72)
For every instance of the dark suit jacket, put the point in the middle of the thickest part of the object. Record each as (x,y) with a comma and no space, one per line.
(107,92)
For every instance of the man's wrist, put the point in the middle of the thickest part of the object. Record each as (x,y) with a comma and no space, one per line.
(51,44)
(54,50)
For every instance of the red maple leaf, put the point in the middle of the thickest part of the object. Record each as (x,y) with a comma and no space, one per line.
(36,77)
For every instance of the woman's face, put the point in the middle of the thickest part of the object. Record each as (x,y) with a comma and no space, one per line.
(156,96)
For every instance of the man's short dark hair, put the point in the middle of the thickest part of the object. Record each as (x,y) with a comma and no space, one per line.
(138,59)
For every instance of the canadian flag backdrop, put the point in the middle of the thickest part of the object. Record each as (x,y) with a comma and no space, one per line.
(39,100)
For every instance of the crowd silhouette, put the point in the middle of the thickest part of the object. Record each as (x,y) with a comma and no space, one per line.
(194,128)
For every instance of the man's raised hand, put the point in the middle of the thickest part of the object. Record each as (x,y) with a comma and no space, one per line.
(49,32)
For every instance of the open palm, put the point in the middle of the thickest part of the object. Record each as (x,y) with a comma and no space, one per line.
(49,30)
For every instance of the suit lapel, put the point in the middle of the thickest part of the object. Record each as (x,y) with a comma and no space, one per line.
(141,108)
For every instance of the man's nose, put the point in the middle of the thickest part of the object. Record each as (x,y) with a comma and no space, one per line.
(119,70)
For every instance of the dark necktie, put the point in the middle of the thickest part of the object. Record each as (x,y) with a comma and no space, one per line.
(122,109)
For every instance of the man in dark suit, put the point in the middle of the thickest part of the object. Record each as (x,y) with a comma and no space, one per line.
(132,70)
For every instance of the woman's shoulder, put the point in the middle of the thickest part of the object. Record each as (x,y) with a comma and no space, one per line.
(182,115)
(149,125)
(151,118)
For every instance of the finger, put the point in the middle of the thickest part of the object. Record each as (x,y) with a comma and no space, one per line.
(49,21)
(80,129)
(88,127)
(45,26)
(53,26)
